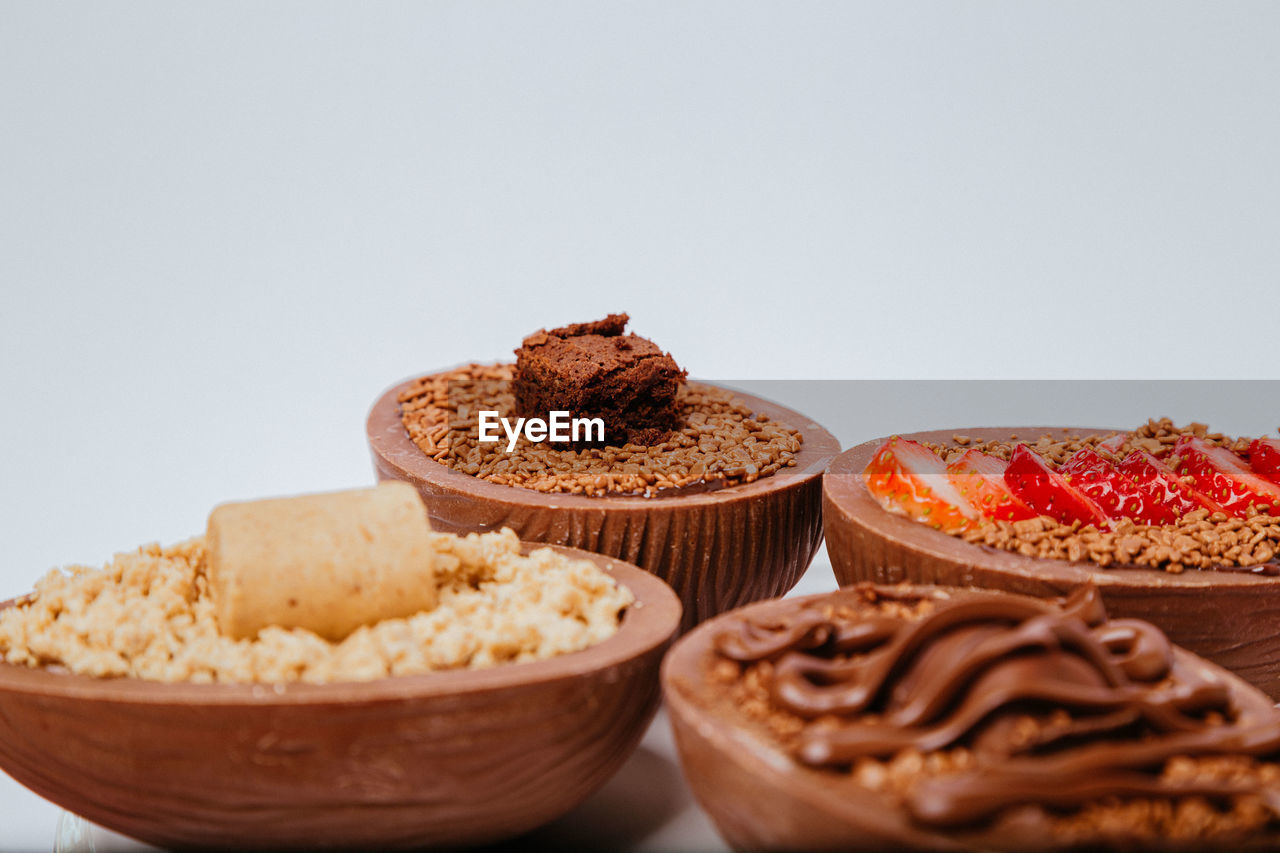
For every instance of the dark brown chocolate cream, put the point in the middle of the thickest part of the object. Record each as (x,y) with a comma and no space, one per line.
(1024,702)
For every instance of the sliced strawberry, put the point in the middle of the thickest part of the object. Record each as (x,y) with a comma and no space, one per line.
(1222,476)
(910,479)
(1047,492)
(1110,489)
(1160,487)
(1112,445)
(1264,458)
(979,477)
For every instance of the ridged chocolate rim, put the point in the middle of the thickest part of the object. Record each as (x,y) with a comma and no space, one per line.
(648,623)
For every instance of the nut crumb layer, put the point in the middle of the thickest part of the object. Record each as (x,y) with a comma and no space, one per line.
(148,614)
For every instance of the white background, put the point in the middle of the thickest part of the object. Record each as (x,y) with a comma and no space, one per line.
(225,228)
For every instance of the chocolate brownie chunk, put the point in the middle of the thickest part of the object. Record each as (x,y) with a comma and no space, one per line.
(594,370)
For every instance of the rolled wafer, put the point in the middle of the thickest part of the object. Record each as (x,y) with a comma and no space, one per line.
(327,562)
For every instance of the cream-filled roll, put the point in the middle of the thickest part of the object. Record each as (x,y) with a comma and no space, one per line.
(326,562)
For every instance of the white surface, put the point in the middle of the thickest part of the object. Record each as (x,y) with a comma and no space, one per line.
(225,228)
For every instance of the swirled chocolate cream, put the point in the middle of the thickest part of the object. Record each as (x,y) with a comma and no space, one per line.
(996,721)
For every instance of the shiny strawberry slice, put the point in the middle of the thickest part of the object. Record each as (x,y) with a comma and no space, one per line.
(1121,493)
(1222,476)
(1264,458)
(909,479)
(979,477)
(1118,496)
(1047,492)
(1160,487)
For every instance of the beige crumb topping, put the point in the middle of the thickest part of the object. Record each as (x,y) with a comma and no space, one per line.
(148,614)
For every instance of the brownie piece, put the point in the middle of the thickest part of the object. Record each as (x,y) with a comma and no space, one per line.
(594,370)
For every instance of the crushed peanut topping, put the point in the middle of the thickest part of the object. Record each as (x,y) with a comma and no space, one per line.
(148,614)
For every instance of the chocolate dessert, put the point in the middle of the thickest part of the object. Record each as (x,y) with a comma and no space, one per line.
(925,718)
(1160,496)
(662,436)
(1180,549)
(434,760)
(725,508)
(594,370)
(727,511)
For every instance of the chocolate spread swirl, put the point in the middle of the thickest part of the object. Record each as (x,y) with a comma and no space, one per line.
(1108,701)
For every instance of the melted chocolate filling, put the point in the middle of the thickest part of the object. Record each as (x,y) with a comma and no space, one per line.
(966,673)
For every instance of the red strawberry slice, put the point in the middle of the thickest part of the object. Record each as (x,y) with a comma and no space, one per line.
(1160,487)
(1264,458)
(1118,495)
(1222,476)
(1047,492)
(979,477)
(909,479)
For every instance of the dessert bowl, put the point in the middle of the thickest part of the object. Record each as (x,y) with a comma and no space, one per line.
(443,758)
(1228,617)
(716,548)
(765,792)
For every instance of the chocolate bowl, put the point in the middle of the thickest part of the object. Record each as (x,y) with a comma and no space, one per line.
(1228,617)
(452,757)
(717,549)
(762,797)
